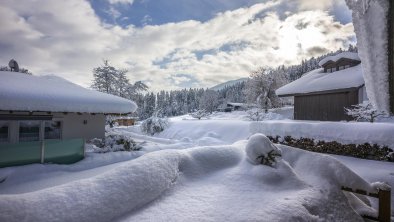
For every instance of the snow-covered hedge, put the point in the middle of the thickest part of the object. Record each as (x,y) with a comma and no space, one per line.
(362,140)
(365,151)
(341,132)
(154,125)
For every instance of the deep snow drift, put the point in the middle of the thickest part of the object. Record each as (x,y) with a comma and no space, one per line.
(214,183)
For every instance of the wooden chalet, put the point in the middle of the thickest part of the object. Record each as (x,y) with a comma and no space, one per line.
(323,94)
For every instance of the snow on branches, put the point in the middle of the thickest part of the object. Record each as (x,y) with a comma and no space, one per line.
(260,150)
(371,27)
(365,112)
(199,114)
(154,125)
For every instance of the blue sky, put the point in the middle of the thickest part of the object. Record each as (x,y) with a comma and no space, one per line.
(169,44)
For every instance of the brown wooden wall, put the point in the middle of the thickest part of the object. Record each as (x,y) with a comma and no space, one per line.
(324,107)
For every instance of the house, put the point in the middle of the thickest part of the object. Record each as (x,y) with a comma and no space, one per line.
(322,94)
(47,118)
(230,106)
(125,120)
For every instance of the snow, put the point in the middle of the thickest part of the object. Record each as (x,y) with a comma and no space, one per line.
(342,132)
(174,178)
(317,80)
(21,92)
(258,147)
(203,131)
(213,183)
(370,25)
(335,58)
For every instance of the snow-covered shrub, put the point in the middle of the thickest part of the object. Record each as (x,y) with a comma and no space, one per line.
(113,143)
(365,112)
(365,151)
(154,125)
(255,114)
(110,120)
(260,150)
(199,114)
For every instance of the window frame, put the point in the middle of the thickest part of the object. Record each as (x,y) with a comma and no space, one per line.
(39,130)
(8,132)
(61,129)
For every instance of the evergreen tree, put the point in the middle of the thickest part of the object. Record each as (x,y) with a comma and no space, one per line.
(105,78)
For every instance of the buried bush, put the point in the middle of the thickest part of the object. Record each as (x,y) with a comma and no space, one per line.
(260,150)
(154,125)
(113,143)
(269,159)
(365,151)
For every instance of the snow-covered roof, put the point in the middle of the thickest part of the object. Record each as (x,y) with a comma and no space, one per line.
(335,58)
(318,81)
(237,104)
(22,92)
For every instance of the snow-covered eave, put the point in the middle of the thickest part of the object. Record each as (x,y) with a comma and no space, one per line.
(322,92)
(31,112)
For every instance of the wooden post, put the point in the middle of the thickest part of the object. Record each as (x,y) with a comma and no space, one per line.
(390,27)
(384,205)
(42,151)
(84,147)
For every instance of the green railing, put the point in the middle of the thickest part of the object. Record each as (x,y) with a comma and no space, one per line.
(48,151)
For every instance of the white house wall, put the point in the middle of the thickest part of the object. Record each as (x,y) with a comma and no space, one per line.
(74,127)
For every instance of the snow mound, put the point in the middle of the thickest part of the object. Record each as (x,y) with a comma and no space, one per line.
(217,131)
(335,58)
(22,92)
(198,184)
(260,147)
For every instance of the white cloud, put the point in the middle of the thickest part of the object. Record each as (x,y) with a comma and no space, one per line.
(45,38)
(130,2)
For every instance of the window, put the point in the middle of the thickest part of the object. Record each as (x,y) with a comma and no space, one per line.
(341,67)
(29,131)
(347,66)
(4,132)
(53,130)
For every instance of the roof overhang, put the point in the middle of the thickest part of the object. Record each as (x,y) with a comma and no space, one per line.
(323,92)
(25,117)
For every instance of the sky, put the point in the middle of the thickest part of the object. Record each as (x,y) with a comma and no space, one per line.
(169,44)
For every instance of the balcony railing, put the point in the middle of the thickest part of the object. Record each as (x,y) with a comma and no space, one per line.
(47,151)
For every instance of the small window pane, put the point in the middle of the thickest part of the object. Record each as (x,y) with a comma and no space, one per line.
(29,131)
(53,130)
(4,132)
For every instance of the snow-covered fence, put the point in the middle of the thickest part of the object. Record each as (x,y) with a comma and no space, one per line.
(47,151)
(384,196)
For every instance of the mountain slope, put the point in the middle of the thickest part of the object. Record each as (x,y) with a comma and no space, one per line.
(228,83)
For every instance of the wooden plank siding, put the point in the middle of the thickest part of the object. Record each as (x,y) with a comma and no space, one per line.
(324,107)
